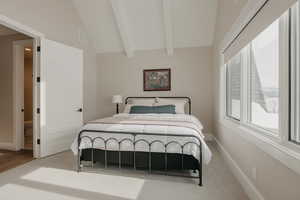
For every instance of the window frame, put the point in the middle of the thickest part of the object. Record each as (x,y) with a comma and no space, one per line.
(245,119)
(294,104)
(274,134)
(227,89)
(280,147)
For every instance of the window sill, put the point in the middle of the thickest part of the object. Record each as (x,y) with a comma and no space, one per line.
(273,147)
(261,132)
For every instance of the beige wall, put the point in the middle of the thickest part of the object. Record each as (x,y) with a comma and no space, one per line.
(6,86)
(274,180)
(191,70)
(28,100)
(59,21)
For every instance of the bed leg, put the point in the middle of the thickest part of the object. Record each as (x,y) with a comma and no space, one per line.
(78,162)
(150,160)
(200,178)
(92,157)
(78,153)
(200,166)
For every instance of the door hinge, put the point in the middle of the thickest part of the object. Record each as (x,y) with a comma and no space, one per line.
(38,111)
(38,79)
(38,141)
(38,48)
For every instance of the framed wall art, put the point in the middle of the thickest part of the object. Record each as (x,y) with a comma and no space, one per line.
(157,80)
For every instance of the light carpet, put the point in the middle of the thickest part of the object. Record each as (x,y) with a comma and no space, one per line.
(55,178)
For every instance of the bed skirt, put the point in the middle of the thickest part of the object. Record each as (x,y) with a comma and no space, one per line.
(174,161)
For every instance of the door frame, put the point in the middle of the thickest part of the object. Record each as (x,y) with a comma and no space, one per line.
(37,36)
(18,117)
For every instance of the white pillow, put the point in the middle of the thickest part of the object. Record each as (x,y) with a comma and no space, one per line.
(128,106)
(172,101)
(142,101)
(178,103)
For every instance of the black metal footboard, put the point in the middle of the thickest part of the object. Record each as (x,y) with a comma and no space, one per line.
(134,142)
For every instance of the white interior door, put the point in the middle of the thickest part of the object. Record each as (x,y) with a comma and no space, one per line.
(61,96)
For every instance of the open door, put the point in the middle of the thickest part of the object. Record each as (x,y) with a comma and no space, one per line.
(61,96)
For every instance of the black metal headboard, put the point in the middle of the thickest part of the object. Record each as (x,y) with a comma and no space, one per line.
(187,98)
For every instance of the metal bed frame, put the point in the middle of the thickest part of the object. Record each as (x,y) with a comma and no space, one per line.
(134,142)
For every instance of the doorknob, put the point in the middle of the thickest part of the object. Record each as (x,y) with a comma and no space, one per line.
(22,110)
(79,110)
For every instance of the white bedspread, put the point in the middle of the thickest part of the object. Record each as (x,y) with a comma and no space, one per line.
(179,124)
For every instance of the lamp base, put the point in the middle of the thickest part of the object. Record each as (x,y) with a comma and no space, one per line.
(117,111)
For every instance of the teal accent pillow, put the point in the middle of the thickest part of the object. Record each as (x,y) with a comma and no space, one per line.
(165,109)
(141,110)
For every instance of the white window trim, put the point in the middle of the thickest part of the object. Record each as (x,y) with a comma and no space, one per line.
(295,127)
(284,117)
(226,95)
(279,147)
(245,85)
(286,140)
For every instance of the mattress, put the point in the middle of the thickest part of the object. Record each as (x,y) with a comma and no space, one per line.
(145,124)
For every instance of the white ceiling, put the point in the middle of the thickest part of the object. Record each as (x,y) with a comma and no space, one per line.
(129,25)
(6,31)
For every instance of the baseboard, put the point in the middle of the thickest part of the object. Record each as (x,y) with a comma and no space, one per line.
(209,137)
(7,146)
(243,179)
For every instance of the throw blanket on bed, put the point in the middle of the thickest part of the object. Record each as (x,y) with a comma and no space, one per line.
(179,124)
(136,120)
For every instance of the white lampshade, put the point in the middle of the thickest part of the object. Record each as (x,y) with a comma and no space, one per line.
(117,99)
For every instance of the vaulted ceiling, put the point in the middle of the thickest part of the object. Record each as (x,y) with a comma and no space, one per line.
(129,25)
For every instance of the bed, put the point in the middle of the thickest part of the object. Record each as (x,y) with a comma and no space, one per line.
(157,142)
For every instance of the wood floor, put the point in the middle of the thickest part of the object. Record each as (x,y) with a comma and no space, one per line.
(12,159)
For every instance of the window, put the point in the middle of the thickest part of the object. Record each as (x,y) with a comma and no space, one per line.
(263,70)
(264,65)
(233,94)
(294,76)
(262,79)
(263,86)
(254,75)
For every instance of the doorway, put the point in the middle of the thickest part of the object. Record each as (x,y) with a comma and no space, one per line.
(16,61)
(57,68)
(23,93)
